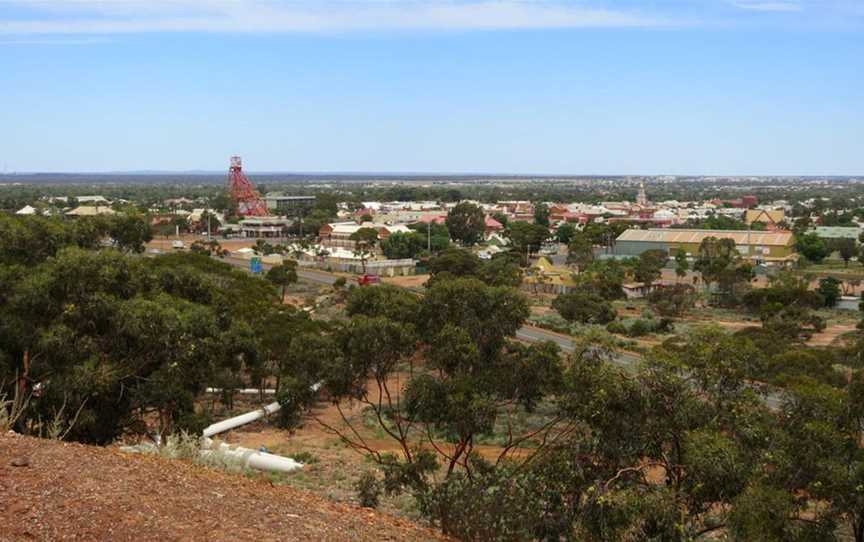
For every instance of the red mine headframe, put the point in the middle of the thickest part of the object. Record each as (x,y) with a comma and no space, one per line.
(242,192)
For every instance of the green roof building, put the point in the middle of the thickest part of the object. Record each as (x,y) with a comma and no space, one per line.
(837,232)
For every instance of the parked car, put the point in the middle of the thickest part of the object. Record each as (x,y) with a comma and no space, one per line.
(178,245)
(365,280)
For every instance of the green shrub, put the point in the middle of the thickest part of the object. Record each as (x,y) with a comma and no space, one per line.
(672,300)
(617,327)
(368,489)
(488,506)
(552,322)
(307,458)
(639,328)
(584,307)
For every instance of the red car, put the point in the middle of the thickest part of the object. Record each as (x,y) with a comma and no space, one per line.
(365,280)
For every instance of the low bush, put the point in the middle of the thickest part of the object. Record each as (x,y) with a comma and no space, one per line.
(552,322)
(584,307)
(672,300)
(641,327)
(307,458)
(368,489)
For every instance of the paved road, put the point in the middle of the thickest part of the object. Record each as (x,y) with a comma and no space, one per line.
(525,333)
(311,275)
(537,334)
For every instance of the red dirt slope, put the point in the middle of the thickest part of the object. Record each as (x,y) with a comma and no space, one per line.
(75,492)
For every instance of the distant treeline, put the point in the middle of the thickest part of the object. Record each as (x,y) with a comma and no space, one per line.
(147,190)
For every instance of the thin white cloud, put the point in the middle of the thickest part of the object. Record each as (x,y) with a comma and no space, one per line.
(136,16)
(54,41)
(790,6)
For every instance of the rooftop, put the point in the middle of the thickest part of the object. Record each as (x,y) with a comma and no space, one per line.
(837,232)
(86,210)
(741,237)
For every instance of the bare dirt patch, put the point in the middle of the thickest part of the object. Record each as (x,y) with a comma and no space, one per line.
(410,281)
(831,334)
(77,492)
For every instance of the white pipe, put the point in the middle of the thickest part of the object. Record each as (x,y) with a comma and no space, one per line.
(243,419)
(248,457)
(243,391)
(254,459)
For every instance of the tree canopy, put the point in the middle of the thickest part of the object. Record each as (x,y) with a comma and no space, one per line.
(466,223)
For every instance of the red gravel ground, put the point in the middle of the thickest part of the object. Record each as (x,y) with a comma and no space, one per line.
(76,492)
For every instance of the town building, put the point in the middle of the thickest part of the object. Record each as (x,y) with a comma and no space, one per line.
(772,218)
(837,232)
(94,200)
(769,247)
(492,225)
(88,210)
(264,226)
(288,205)
(338,234)
(544,276)
(27,210)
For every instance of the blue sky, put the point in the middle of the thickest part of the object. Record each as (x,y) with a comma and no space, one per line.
(567,87)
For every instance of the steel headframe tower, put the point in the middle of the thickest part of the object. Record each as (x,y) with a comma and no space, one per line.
(243,195)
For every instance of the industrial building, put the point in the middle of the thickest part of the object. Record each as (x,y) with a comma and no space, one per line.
(278,204)
(769,247)
(837,232)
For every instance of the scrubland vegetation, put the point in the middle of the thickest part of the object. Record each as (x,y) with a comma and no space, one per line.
(748,433)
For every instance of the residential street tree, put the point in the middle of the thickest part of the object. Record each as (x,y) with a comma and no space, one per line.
(846,248)
(811,247)
(436,234)
(565,233)
(829,289)
(580,251)
(584,307)
(649,268)
(682,265)
(526,238)
(456,262)
(672,300)
(541,214)
(720,263)
(283,275)
(466,223)
(129,231)
(404,245)
(365,240)
(501,270)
